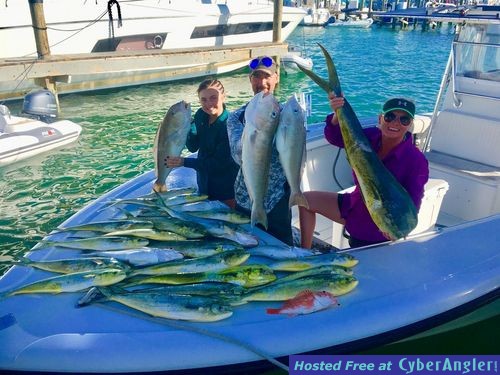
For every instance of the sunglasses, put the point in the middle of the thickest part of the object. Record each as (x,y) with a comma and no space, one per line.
(403,120)
(266,61)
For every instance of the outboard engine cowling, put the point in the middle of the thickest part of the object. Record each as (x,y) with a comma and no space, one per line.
(41,104)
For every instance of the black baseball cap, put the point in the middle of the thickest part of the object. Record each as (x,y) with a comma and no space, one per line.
(400,104)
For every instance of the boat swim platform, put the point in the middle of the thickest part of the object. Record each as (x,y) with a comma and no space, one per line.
(102,70)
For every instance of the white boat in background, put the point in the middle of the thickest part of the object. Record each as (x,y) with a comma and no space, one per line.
(445,276)
(36,131)
(294,57)
(76,27)
(352,22)
(316,16)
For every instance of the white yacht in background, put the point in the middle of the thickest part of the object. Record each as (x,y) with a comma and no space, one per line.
(77,26)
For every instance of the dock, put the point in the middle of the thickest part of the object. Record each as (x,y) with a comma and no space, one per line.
(71,73)
(437,16)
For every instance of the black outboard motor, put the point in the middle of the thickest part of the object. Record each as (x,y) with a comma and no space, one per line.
(41,105)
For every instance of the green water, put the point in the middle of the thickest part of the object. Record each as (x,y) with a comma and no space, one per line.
(119,125)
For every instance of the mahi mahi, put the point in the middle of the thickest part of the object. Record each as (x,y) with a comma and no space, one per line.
(389,204)
(261,120)
(281,291)
(291,145)
(178,307)
(170,140)
(72,282)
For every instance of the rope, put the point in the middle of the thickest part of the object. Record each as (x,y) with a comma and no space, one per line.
(110,14)
(198,330)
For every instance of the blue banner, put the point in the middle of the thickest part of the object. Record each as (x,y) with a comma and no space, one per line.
(394,364)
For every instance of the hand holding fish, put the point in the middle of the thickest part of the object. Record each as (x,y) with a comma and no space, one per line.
(335,101)
(174,161)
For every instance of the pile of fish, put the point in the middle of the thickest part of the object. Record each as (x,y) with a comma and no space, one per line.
(265,124)
(177,255)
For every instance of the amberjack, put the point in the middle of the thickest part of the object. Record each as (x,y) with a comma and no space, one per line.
(261,119)
(170,140)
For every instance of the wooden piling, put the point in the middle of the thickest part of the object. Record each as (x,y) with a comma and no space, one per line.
(277,20)
(42,44)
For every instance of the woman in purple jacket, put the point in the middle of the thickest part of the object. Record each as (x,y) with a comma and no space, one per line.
(393,144)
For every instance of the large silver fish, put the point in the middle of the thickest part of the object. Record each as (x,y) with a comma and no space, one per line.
(389,204)
(170,140)
(261,120)
(291,145)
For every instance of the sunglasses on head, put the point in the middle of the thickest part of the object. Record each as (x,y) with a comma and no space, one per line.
(266,61)
(404,120)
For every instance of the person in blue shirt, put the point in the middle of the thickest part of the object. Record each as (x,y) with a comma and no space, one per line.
(263,77)
(215,168)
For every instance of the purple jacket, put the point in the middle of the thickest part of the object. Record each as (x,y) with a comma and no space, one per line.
(406,162)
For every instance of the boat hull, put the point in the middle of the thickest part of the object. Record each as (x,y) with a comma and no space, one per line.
(400,285)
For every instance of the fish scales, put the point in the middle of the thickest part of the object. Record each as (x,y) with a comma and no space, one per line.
(261,120)
(73,282)
(291,145)
(281,291)
(170,140)
(214,262)
(177,307)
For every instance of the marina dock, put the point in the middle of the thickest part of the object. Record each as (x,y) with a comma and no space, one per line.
(436,16)
(147,66)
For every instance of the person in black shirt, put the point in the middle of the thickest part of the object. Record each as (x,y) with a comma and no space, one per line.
(216,169)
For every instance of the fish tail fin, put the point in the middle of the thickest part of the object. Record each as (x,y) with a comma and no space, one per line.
(319,81)
(273,311)
(94,294)
(258,216)
(158,187)
(333,78)
(298,199)
(42,244)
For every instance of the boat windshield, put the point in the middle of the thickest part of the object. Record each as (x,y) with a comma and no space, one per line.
(477,55)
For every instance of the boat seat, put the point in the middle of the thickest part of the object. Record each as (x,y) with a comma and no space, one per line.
(473,172)
(453,131)
(434,192)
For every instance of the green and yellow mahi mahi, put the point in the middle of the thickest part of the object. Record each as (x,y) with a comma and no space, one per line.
(73,282)
(177,307)
(389,204)
(281,291)
(210,263)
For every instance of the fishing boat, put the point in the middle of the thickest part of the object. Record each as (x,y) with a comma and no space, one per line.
(445,276)
(36,130)
(131,26)
(352,22)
